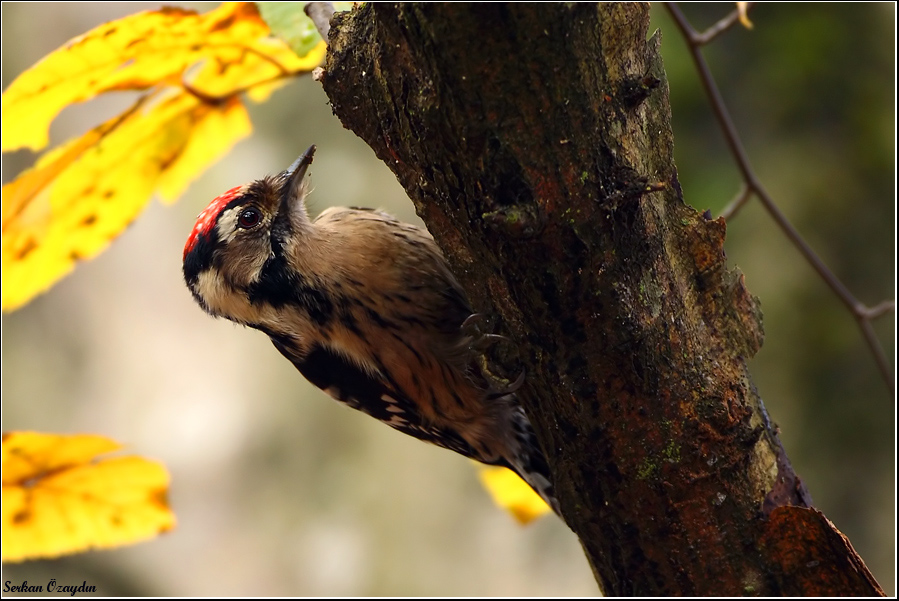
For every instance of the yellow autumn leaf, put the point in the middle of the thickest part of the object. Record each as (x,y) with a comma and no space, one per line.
(268,64)
(75,200)
(512,493)
(230,47)
(58,498)
(80,196)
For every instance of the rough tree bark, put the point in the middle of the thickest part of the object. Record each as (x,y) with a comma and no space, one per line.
(535,143)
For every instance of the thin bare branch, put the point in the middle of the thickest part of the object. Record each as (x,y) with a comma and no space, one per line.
(861,312)
(874,344)
(721,26)
(320,13)
(737,203)
(879,310)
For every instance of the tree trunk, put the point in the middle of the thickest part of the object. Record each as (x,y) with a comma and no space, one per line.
(535,142)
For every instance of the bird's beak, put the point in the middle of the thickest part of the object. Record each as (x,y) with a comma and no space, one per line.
(297,171)
(295,188)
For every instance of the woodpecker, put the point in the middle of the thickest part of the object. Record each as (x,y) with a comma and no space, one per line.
(366,308)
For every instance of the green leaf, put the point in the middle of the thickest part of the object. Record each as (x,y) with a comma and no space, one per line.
(288,21)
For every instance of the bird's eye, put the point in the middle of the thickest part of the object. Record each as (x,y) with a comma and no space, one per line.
(249,217)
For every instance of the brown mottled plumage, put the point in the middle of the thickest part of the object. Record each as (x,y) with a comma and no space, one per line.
(366,308)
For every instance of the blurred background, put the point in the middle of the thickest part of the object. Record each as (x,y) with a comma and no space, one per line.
(281,491)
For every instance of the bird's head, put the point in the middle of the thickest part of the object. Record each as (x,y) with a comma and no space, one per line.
(238,240)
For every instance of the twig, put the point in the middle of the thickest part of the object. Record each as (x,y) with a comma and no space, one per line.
(861,312)
(881,309)
(320,13)
(737,203)
(721,26)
